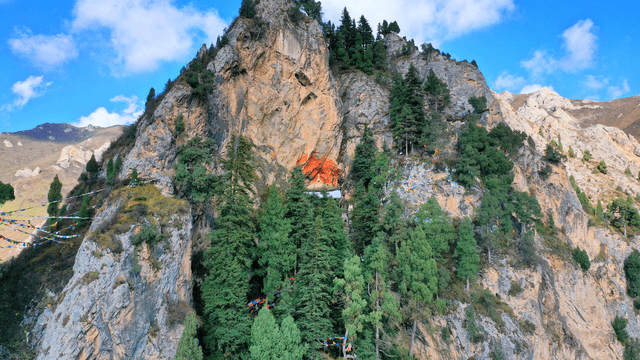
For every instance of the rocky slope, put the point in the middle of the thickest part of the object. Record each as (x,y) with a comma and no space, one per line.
(273,84)
(30,160)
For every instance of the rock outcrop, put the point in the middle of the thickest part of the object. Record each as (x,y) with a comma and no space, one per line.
(26,172)
(123,301)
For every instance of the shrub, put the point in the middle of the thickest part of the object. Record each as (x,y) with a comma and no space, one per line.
(552,155)
(619,324)
(581,257)
(586,156)
(177,311)
(475,329)
(149,234)
(602,167)
(90,277)
(572,153)
(247,9)
(479,104)
(515,288)
(627,172)
(545,172)
(180,124)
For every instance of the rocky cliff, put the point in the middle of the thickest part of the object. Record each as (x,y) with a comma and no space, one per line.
(274,85)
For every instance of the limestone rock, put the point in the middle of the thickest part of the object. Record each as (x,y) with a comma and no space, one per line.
(8,143)
(106,312)
(26,172)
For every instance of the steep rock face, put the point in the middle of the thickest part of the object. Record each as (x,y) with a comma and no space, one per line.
(463,79)
(108,310)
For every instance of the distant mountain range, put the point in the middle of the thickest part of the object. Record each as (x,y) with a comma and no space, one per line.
(59,132)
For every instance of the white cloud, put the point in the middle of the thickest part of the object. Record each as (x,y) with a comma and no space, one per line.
(506,81)
(26,90)
(580,45)
(616,92)
(146,32)
(102,117)
(425,20)
(533,88)
(593,83)
(44,51)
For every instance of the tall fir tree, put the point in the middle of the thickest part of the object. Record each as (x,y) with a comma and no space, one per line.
(353,290)
(467,252)
(54,197)
(278,250)
(437,226)
(188,346)
(366,218)
(334,228)
(225,288)
(313,285)
(92,166)
(418,281)
(299,211)
(291,341)
(110,170)
(363,158)
(265,337)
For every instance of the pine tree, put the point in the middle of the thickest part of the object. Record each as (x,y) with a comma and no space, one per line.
(352,288)
(437,227)
(278,250)
(394,27)
(6,193)
(188,347)
(299,211)
(118,165)
(313,291)
(467,252)
(226,287)
(632,273)
(291,341)
(54,197)
(366,32)
(84,210)
(192,177)
(363,158)
(366,219)
(110,170)
(418,281)
(92,166)
(247,9)
(383,305)
(333,227)
(265,337)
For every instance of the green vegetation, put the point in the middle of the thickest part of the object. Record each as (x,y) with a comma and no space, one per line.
(192,177)
(188,347)
(180,127)
(621,213)
(54,197)
(619,324)
(586,156)
(632,273)
(601,168)
(247,9)
(581,257)
(6,193)
(479,104)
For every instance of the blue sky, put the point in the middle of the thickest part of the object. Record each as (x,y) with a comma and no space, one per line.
(93,61)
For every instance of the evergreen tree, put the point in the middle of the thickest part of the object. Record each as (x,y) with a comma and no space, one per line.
(379,55)
(467,252)
(247,9)
(188,347)
(407,110)
(291,340)
(393,27)
(278,250)
(265,337)
(299,211)
(192,177)
(418,281)
(225,288)
(333,227)
(363,158)
(313,291)
(347,29)
(341,53)
(84,210)
(383,305)
(366,32)
(632,273)
(599,211)
(6,193)
(54,197)
(92,166)
(134,176)
(118,165)
(438,90)
(366,219)
(110,170)
(352,289)
(151,97)
(437,227)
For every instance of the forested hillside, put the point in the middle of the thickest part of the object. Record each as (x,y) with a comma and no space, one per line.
(307,190)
